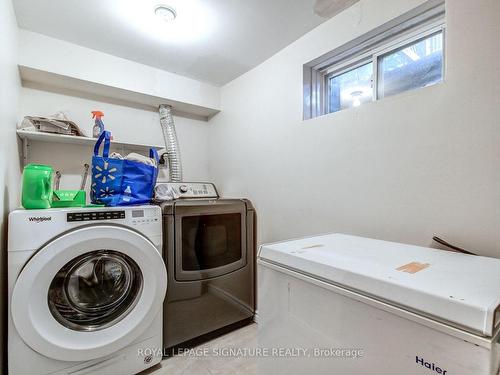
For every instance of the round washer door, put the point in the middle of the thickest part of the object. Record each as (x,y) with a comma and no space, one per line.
(89,293)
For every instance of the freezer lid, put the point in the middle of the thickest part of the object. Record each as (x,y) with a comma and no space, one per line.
(458,289)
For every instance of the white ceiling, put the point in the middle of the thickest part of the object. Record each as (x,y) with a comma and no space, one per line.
(211,40)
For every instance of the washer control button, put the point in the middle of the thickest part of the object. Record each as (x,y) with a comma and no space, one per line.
(183,188)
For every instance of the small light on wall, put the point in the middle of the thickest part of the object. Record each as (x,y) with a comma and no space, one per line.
(356,98)
(165,13)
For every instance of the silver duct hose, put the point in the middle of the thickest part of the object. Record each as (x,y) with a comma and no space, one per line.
(171,143)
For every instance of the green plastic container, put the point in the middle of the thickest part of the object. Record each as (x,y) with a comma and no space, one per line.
(68,198)
(37,186)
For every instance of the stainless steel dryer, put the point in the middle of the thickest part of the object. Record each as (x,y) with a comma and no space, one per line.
(210,252)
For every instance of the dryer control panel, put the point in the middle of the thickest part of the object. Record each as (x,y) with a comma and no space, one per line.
(189,190)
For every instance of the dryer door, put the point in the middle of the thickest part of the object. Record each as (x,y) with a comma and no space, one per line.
(210,238)
(89,293)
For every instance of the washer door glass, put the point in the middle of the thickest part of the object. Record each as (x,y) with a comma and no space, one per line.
(95,290)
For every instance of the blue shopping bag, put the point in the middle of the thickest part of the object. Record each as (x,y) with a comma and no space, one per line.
(119,182)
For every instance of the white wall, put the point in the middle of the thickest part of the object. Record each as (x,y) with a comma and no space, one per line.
(125,123)
(52,55)
(403,168)
(9,162)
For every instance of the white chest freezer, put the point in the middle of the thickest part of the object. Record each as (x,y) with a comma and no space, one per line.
(339,304)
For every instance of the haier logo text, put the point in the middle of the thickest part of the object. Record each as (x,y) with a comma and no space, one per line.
(430,366)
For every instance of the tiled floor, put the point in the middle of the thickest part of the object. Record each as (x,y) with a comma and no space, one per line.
(214,357)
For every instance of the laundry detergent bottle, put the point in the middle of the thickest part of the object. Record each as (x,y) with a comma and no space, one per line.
(37,186)
(98,125)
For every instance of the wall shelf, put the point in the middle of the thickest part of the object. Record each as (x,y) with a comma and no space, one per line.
(69,85)
(30,136)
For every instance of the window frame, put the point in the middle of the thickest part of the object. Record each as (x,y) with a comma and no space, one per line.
(418,23)
(374,55)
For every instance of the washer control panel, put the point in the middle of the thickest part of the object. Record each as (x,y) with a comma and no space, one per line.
(95,215)
(141,216)
(189,190)
(133,215)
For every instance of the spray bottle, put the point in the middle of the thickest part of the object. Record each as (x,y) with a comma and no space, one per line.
(99,125)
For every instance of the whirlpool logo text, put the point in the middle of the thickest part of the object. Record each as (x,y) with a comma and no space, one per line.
(40,219)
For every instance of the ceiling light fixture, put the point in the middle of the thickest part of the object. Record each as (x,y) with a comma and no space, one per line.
(170,22)
(165,13)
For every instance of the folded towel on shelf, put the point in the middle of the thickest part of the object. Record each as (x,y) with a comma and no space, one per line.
(58,123)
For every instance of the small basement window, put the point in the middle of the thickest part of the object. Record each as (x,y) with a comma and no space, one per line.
(405,54)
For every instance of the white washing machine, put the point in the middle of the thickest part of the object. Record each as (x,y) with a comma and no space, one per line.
(86,288)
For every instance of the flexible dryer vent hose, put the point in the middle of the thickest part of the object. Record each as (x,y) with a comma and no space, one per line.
(171,143)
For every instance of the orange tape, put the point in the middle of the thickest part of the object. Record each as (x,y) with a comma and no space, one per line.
(413,267)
